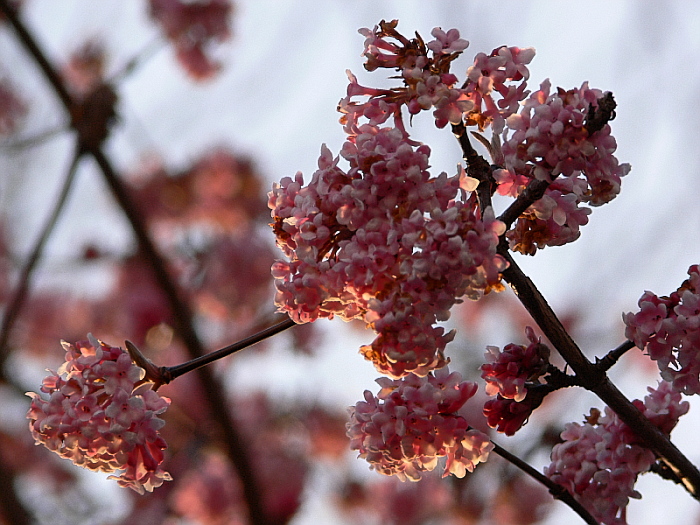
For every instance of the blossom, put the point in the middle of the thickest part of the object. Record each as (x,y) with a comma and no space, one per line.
(508,415)
(424,69)
(490,76)
(193,27)
(510,375)
(507,371)
(668,329)
(412,422)
(102,416)
(547,139)
(385,242)
(599,461)
(446,42)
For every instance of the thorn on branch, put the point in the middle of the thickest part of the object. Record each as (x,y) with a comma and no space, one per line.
(612,356)
(556,379)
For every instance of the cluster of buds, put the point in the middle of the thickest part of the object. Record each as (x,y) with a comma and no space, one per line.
(510,375)
(555,135)
(487,97)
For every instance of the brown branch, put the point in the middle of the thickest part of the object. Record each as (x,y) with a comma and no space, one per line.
(532,192)
(213,389)
(555,489)
(613,355)
(169,373)
(601,114)
(593,378)
(477,167)
(12,508)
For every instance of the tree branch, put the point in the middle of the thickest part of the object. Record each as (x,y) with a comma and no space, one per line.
(532,193)
(162,375)
(593,378)
(555,489)
(12,508)
(612,356)
(477,167)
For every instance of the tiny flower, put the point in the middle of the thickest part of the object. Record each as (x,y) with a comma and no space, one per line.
(449,42)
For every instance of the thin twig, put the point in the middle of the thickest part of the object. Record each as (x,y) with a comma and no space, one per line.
(532,192)
(26,142)
(20,294)
(477,167)
(555,489)
(149,50)
(170,373)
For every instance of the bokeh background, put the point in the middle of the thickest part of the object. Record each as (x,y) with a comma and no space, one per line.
(274,101)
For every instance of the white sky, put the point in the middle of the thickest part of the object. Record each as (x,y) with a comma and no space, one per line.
(284,73)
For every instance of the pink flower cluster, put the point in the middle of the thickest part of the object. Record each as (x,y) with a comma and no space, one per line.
(507,371)
(412,422)
(428,82)
(506,374)
(543,139)
(101,415)
(668,328)
(599,461)
(385,242)
(549,138)
(192,27)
